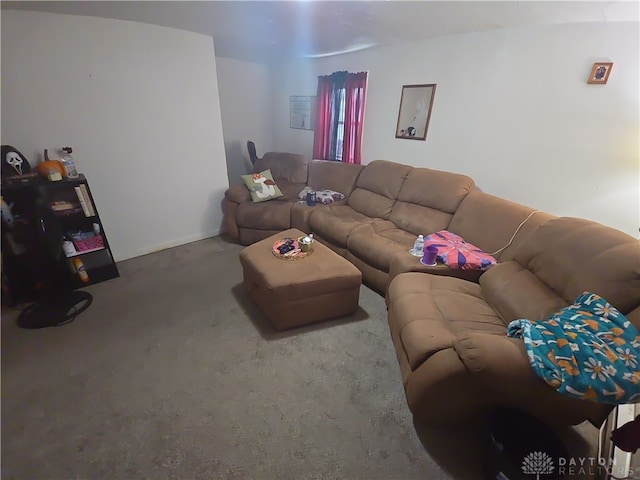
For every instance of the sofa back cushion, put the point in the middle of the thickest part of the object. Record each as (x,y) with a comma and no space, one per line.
(515,292)
(573,255)
(557,262)
(490,222)
(289,167)
(427,200)
(377,188)
(336,176)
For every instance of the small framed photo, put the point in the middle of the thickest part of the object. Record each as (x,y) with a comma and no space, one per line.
(600,73)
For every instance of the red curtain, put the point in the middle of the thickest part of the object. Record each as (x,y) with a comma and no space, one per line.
(324,114)
(339,116)
(355,89)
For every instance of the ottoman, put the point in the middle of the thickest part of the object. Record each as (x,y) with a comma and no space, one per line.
(291,293)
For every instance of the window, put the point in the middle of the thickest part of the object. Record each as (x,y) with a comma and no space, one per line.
(339,125)
(339,117)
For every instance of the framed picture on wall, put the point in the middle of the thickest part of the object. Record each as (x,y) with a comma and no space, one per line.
(415,111)
(600,72)
(301,112)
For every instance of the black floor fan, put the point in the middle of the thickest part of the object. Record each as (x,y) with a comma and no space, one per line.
(55,310)
(55,301)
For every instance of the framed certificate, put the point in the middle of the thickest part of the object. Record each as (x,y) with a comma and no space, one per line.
(300,112)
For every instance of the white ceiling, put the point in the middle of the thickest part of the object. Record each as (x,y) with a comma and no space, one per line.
(264,31)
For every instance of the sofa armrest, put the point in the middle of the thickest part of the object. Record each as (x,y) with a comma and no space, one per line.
(238,194)
(495,359)
(403,262)
(501,364)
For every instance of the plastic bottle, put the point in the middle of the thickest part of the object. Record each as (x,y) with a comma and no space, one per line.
(68,248)
(81,269)
(67,161)
(418,246)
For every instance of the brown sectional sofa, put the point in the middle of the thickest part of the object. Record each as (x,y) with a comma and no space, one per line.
(448,326)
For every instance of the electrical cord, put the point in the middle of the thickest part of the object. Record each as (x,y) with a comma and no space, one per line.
(516,232)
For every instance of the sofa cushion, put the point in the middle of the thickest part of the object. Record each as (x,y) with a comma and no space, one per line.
(428,312)
(336,222)
(254,215)
(378,242)
(515,292)
(573,255)
(336,176)
(284,166)
(261,186)
(489,222)
(290,191)
(427,200)
(378,187)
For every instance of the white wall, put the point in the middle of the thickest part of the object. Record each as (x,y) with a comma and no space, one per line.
(512,109)
(245,102)
(138,103)
(293,79)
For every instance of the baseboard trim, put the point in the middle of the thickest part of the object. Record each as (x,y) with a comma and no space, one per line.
(165,245)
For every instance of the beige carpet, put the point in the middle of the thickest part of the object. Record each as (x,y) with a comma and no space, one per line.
(173,373)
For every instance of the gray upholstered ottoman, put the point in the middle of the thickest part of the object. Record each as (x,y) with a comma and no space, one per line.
(291,293)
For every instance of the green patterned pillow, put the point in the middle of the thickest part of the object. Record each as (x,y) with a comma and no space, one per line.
(261,186)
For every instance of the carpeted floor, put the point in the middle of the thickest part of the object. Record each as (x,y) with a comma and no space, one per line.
(174,373)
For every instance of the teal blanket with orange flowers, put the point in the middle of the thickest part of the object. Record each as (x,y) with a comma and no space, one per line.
(588,350)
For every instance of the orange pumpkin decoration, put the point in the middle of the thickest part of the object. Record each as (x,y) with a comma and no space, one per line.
(45,166)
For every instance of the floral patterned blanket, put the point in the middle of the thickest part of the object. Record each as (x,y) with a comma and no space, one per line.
(587,350)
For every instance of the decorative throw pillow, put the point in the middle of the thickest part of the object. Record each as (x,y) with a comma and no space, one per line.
(261,186)
(324,197)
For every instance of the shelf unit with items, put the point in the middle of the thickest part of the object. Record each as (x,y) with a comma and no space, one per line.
(70,248)
(78,231)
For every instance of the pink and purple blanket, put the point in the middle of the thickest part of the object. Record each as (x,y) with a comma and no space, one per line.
(456,253)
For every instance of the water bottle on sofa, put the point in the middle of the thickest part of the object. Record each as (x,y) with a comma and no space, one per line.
(418,246)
